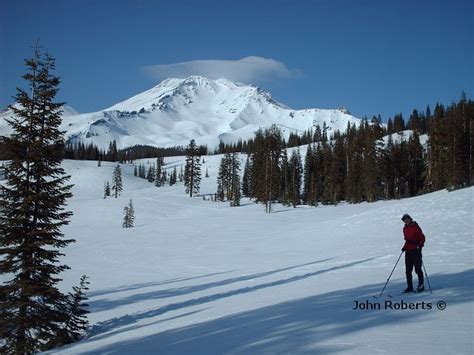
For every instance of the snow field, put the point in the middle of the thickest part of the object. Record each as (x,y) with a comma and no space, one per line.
(200,277)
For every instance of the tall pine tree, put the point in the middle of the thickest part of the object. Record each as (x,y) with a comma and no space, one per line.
(295,173)
(33,309)
(128,215)
(192,169)
(117,185)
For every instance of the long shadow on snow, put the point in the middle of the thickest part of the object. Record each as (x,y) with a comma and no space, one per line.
(150,284)
(105,304)
(128,319)
(294,326)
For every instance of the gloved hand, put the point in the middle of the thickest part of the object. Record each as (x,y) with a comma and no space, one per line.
(403,249)
(419,250)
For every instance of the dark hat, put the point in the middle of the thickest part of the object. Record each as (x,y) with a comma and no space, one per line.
(405,216)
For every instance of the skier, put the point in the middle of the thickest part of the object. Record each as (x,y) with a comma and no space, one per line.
(414,242)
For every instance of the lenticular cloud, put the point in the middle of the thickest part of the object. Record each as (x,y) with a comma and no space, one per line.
(245,70)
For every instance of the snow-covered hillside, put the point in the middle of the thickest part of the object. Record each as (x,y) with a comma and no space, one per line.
(177,110)
(200,277)
(404,136)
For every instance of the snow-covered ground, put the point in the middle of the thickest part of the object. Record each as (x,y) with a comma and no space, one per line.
(200,277)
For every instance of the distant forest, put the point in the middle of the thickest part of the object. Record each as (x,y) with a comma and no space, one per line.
(354,166)
(358,165)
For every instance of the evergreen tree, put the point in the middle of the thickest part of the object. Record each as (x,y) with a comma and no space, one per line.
(235,191)
(416,165)
(164,177)
(31,216)
(318,176)
(117,186)
(354,159)
(229,168)
(150,176)
(173,177)
(141,173)
(266,169)
(77,322)
(112,153)
(159,166)
(388,170)
(181,174)
(457,145)
(401,169)
(246,182)
(469,128)
(285,197)
(390,129)
(326,160)
(135,171)
(296,170)
(222,178)
(437,152)
(428,112)
(106,189)
(370,173)
(398,123)
(338,169)
(158,172)
(309,193)
(207,172)
(414,122)
(317,137)
(129,215)
(192,170)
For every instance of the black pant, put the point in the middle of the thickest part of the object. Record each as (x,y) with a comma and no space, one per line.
(413,258)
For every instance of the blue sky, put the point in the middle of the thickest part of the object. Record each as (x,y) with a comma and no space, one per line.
(369,56)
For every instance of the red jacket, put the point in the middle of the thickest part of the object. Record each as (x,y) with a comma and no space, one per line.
(414,237)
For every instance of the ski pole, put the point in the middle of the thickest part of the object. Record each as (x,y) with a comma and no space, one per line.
(391,273)
(426,274)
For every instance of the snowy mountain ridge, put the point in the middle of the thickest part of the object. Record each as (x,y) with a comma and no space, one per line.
(177,110)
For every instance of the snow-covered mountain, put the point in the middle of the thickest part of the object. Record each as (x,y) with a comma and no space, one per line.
(177,110)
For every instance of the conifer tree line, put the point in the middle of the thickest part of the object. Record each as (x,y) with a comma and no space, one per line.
(358,165)
(81,151)
(34,314)
(418,120)
(157,174)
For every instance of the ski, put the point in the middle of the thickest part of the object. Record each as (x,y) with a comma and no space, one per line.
(407,293)
(379,297)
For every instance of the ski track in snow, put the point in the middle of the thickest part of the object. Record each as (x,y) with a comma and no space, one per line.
(200,277)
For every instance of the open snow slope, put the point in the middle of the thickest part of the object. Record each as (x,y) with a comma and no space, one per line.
(177,110)
(200,277)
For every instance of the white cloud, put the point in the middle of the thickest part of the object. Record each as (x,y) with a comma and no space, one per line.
(245,70)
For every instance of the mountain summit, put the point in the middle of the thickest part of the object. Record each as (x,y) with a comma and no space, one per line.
(209,111)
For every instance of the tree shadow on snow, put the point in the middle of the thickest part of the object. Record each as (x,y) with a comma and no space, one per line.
(106,304)
(127,319)
(288,327)
(150,284)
